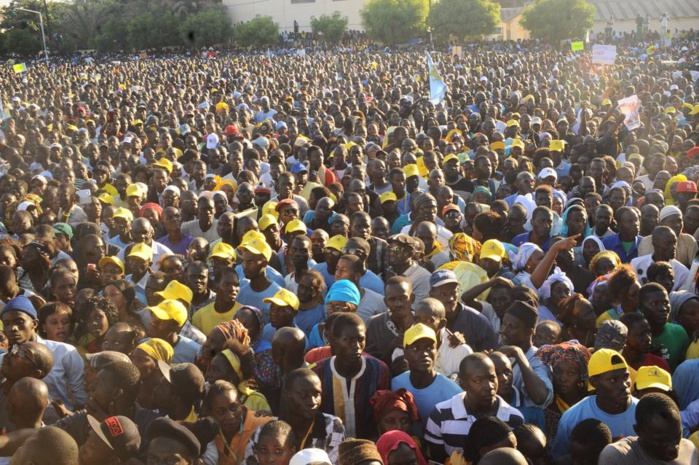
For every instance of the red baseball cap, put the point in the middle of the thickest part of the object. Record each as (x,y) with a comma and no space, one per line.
(686,186)
(693,152)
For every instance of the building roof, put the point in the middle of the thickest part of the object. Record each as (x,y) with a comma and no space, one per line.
(631,9)
(508,14)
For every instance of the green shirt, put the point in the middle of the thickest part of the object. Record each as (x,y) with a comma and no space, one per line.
(673,344)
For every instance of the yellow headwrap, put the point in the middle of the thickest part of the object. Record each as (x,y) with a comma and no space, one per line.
(235,363)
(463,247)
(668,194)
(157,349)
(611,255)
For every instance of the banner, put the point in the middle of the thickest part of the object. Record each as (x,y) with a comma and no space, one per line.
(20,68)
(629,107)
(604,54)
(437,86)
(577,46)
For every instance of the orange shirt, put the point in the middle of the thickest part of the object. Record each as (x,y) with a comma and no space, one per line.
(234,453)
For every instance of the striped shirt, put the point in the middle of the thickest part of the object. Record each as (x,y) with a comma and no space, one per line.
(449,423)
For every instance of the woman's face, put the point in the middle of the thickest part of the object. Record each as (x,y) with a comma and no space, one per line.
(8,258)
(227,411)
(689,316)
(395,420)
(144,362)
(629,301)
(590,249)
(566,377)
(58,326)
(534,261)
(219,368)
(604,266)
(402,455)
(116,296)
(559,291)
(274,449)
(31,258)
(97,324)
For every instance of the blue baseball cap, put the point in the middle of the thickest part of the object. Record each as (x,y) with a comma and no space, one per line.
(299,168)
(343,290)
(20,304)
(442,277)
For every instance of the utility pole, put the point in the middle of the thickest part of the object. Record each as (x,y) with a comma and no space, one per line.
(41,23)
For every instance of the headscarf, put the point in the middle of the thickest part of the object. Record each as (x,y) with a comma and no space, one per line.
(524,253)
(668,188)
(484,190)
(596,240)
(677,300)
(385,401)
(564,220)
(343,290)
(593,285)
(157,349)
(391,440)
(611,334)
(234,329)
(463,247)
(354,451)
(605,254)
(151,206)
(570,351)
(556,277)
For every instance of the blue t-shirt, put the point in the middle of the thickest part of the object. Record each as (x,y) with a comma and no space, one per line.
(272,274)
(372,282)
(185,350)
(247,296)
(621,424)
(305,320)
(441,389)
(322,268)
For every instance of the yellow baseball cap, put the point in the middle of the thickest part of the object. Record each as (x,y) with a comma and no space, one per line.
(512,122)
(125,213)
(388,196)
(176,290)
(170,310)
(164,163)
(337,242)
(222,250)
(499,145)
(106,199)
(493,249)
(252,234)
(417,332)
(411,170)
(257,246)
(648,377)
(556,145)
(270,208)
(114,261)
(283,298)
(670,110)
(134,190)
(266,221)
(695,111)
(295,225)
(448,158)
(604,361)
(606,102)
(142,251)
(517,143)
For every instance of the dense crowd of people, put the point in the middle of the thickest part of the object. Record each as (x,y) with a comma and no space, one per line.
(303,260)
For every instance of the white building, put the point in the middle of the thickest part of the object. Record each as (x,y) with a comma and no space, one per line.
(285,12)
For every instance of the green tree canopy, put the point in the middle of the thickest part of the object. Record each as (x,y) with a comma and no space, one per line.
(330,27)
(557,20)
(394,21)
(206,28)
(149,30)
(463,18)
(259,32)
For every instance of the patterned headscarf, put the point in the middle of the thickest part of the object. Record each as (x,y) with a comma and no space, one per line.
(524,253)
(463,247)
(570,351)
(385,401)
(234,329)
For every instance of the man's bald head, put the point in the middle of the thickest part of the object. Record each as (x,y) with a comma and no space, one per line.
(37,363)
(27,401)
(288,344)
(431,305)
(50,446)
(503,456)
(426,227)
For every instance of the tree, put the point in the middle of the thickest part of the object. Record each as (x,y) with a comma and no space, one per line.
(259,32)
(463,18)
(331,28)
(557,20)
(206,28)
(149,30)
(394,21)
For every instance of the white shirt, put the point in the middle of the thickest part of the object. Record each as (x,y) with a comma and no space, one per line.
(449,358)
(640,267)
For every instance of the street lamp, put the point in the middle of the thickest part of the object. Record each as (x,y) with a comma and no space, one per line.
(41,23)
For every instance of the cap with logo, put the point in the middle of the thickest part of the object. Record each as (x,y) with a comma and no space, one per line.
(417,332)
(653,377)
(170,309)
(266,221)
(411,170)
(114,260)
(337,242)
(686,186)
(175,290)
(256,246)
(124,213)
(442,277)
(493,249)
(547,173)
(119,433)
(388,196)
(283,298)
(165,164)
(142,251)
(295,225)
(222,250)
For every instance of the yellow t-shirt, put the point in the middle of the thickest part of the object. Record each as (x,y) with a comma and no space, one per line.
(207,318)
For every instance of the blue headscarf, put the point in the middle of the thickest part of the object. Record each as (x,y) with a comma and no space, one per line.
(343,291)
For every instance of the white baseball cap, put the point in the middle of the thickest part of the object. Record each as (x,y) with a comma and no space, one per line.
(308,456)
(211,141)
(547,172)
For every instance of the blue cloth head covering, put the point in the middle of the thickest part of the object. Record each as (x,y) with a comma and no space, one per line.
(343,291)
